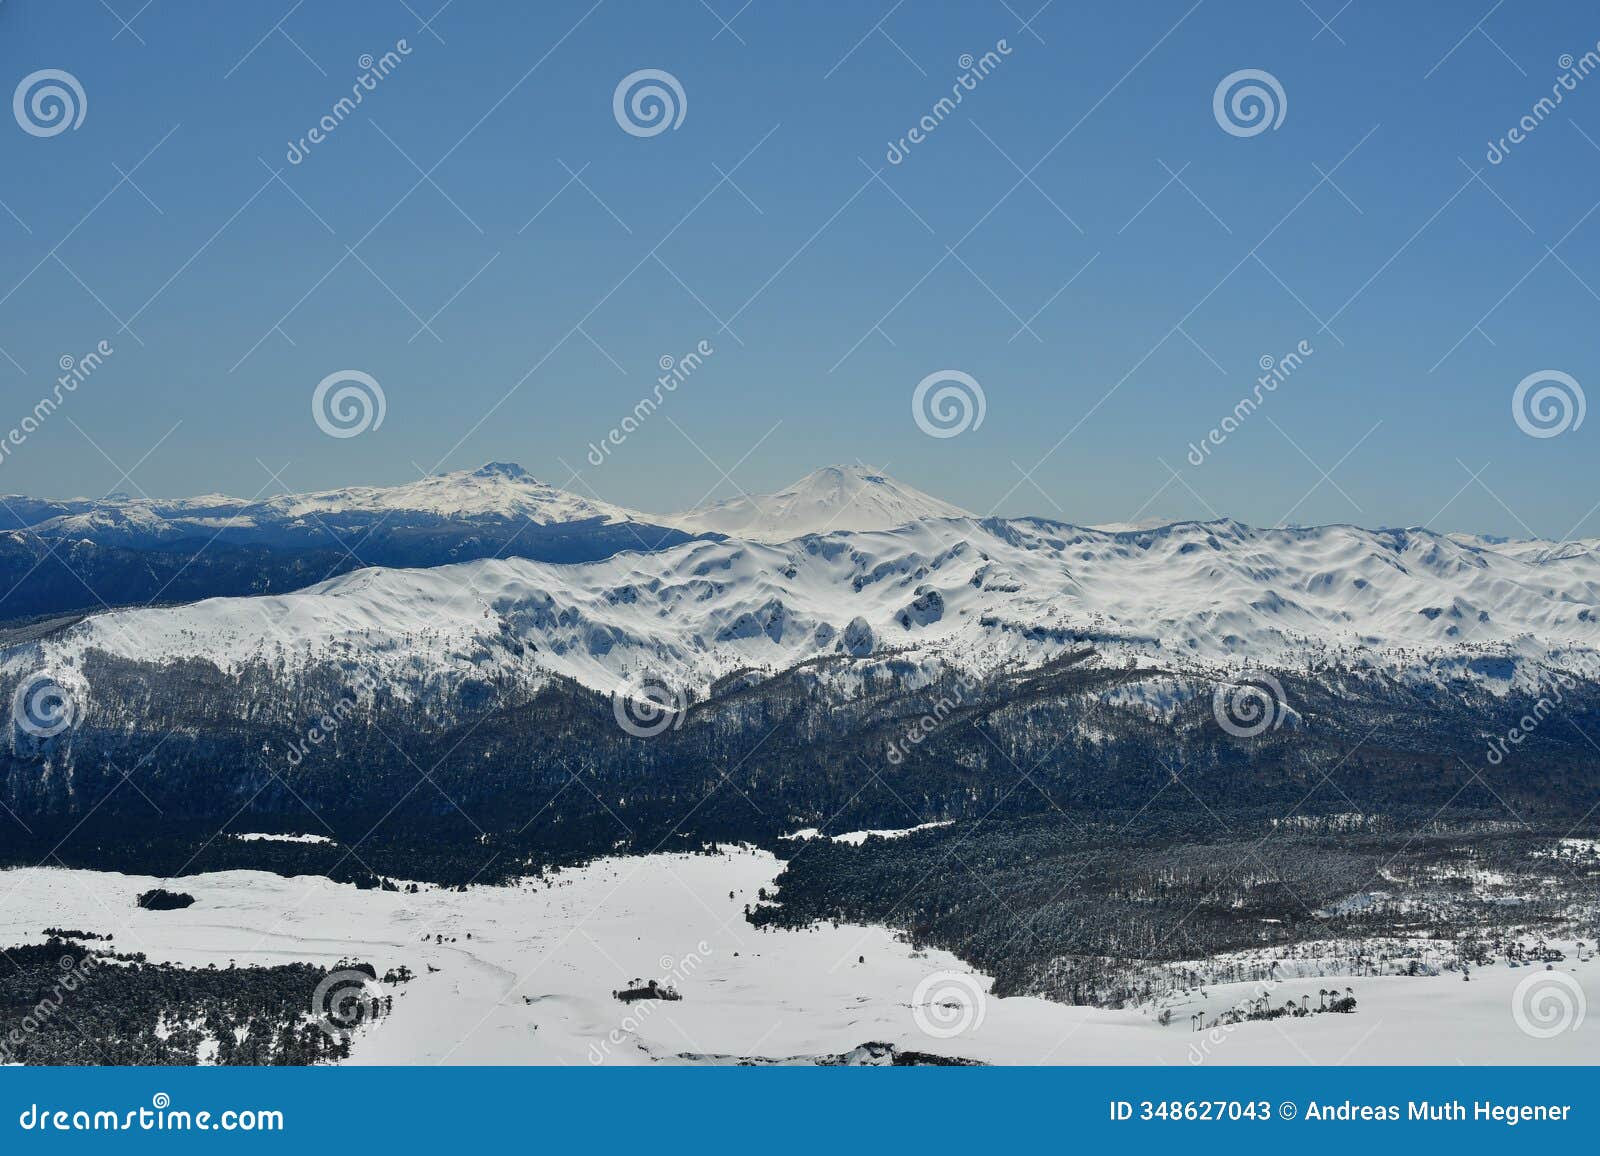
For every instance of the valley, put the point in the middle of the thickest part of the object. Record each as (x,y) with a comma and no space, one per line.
(525,974)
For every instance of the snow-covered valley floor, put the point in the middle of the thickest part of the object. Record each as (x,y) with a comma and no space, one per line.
(534,982)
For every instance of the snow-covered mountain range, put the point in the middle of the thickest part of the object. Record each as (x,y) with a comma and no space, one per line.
(59,557)
(494,493)
(900,576)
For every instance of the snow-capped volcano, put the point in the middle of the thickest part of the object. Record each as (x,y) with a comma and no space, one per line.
(832,498)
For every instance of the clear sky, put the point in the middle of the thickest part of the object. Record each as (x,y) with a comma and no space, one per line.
(1080,235)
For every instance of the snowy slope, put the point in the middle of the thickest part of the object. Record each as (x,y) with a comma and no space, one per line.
(524,974)
(1204,597)
(832,498)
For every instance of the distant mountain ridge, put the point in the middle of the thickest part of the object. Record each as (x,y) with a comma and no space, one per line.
(493,570)
(831,498)
(92,554)
(496,492)
(838,497)
(1203,599)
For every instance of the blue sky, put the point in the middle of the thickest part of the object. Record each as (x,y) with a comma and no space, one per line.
(1154,257)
